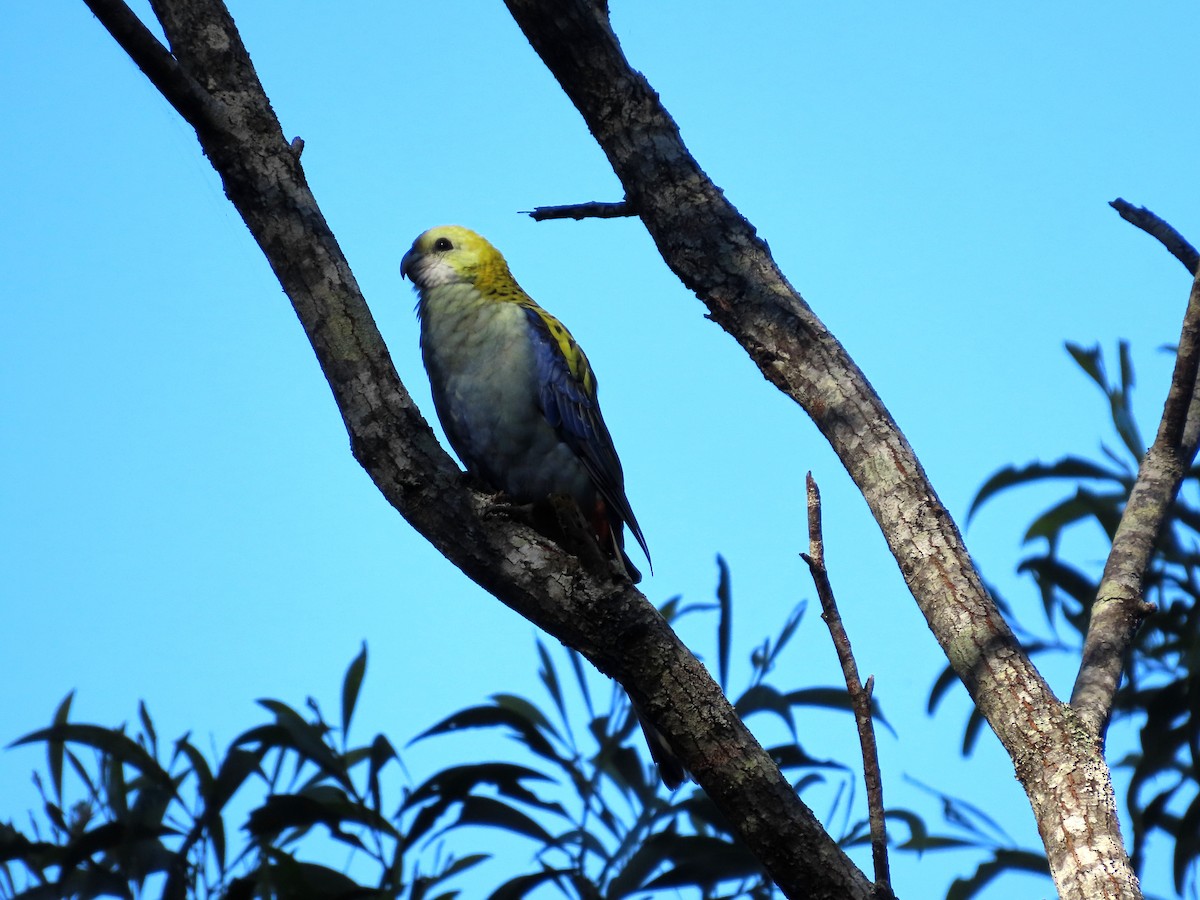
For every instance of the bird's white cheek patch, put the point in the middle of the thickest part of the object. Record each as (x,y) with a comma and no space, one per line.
(435,273)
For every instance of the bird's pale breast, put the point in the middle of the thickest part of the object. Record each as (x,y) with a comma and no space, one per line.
(482,368)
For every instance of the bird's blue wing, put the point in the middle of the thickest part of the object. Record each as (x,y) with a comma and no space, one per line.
(568,401)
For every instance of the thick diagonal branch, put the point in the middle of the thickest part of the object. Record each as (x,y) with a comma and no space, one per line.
(1160,230)
(607,620)
(717,254)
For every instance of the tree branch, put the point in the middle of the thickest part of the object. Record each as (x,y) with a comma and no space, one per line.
(860,697)
(606,619)
(717,254)
(1183,251)
(183,92)
(1161,231)
(1120,606)
(593,210)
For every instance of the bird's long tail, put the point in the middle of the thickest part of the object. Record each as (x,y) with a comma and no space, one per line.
(670,768)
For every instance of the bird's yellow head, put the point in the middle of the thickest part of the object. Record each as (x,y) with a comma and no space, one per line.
(451,254)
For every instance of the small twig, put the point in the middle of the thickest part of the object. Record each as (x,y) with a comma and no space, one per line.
(860,696)
(1120,603)
(1163,232)
(1183,251)
(593,210)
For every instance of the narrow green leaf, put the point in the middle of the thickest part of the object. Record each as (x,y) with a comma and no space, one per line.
(582,681)
(81,772)
(650,856)
(217,790)
(520,887)
(764,698)
(199,766)
(628,771)
(55,814)
(461,865)
(54,749)
(835,698)
(492,813)
(670,609)
(1069,467)
(351,685)
(793,756)
(1053,576)
(702,861)
(382,752)
(789,627)
(1090,361)
(235,768)
(108,836)
(305,738)
(526,710)
(972,819)
(458,783)
(294,878)
(1126,365)
(1104,508)
(764,656)
(917,830)
(1002,862)
(946,680)
(113,743)
(549,678)
(116,792)
(492,717)
(1187,845)
(148,727)
(324,805)
(975,723)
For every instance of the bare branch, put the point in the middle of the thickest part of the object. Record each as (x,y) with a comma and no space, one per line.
(1163,232)
(860,697)
(1120,606)
(596,209)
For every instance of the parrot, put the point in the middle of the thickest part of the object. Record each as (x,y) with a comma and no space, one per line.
(514,392)
(517,398)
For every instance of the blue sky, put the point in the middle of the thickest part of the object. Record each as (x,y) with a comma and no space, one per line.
(184,524)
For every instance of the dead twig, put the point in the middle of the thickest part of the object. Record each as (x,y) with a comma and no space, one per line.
(860,695)
(1161,231)
(596,209)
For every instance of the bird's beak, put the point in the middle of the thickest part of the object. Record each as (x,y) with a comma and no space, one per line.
(407,262)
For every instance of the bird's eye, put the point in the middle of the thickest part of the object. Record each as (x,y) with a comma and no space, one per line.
(442,244)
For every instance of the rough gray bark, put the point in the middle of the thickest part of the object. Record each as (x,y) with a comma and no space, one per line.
(717,254)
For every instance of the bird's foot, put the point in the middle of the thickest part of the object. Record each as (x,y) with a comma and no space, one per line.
(502,506)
